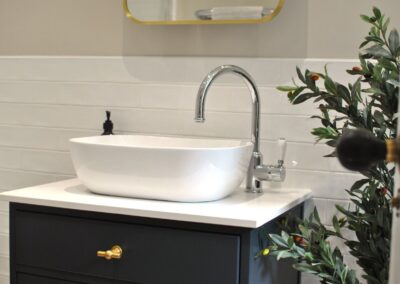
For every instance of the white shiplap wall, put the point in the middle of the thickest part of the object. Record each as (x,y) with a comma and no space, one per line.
(44,101)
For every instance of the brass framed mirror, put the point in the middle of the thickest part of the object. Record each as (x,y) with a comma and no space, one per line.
(201,12)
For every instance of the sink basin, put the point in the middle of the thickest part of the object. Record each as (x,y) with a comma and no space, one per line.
(164,168)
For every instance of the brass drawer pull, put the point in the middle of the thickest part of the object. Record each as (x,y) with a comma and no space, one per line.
(114,253)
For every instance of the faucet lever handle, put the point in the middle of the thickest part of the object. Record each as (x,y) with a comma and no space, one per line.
(282,146)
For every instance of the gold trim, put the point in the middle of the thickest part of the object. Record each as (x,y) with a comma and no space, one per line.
(391,151)
(265,19)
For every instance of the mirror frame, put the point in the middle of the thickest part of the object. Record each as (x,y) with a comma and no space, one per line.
(265,19)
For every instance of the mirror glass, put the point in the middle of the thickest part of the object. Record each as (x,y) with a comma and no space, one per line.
(201,11)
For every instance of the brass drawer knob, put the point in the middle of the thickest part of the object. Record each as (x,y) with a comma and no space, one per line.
(114,253)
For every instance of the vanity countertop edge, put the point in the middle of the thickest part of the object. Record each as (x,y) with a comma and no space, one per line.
(240,209)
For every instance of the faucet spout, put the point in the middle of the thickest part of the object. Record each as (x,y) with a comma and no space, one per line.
(252,184)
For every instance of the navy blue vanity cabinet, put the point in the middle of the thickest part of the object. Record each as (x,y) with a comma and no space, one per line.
(59,246)
(33,279)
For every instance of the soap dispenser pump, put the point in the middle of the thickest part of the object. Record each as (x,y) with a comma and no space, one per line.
(108,125)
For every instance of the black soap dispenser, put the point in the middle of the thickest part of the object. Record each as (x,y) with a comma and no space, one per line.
(108,125)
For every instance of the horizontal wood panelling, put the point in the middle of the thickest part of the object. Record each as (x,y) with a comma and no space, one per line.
(141,69)
(4,223)
(155,96)
(4,244)
(326,208)
(328,185)
(47,161)
(3,206)
(172,122)
(39,137)
(306,156)
(12,179)
(4,266)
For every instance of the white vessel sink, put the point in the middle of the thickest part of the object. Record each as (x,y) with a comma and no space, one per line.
(165,168)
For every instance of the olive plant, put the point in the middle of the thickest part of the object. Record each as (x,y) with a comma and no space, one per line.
(370,103)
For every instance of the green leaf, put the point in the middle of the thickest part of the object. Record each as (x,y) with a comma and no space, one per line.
(293,95)
(380,217)
(316,215)
(374,91)
(286,88)
(285,254)
(330,85)
(377,13)
(304,231)
(285,236)
(375,39)
(344,93)
(394,41)
(332,143)
(325,133)
(290,242)
(378,51)
(336,225)
(303,267)
(303,97)
(342,210)
(300,75)
(393,82)
(379,117)
(331,155)
(356,92)
(308,256)
(385,26)
(363,44)
(358,184)
(387,64)
(278,240)
(352,277)
(365,18)
(328,277)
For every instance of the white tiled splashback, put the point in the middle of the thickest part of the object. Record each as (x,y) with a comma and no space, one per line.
(44,101)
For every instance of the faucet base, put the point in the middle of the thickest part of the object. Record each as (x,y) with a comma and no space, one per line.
(254,185)
(254,190)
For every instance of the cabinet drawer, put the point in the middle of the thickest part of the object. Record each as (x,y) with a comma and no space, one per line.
(155,255)
(31,279)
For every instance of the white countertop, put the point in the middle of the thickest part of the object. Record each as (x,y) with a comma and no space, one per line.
(240,209)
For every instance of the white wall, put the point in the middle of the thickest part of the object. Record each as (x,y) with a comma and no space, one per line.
(304,28)
(44,101)
(335,29)
(99,27)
